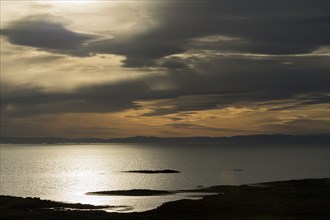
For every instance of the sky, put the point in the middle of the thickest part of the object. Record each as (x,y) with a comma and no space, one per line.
(164,68)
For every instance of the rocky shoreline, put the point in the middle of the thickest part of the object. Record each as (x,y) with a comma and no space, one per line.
(295,199)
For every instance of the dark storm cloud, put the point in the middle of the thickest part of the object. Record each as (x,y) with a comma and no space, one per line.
(226,82)
(110,98)
(139,52)
(223,82)
(285,27)
(269,27)
(201,82)
(49,33)
(272,27)
(103,98)
(44,31)
(174,64)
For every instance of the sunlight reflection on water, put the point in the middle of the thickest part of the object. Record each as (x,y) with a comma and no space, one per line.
(68,172)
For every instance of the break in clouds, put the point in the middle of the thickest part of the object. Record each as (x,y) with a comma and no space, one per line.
(188,57)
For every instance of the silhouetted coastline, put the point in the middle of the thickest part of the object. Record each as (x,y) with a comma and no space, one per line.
(295,199)
(245,139)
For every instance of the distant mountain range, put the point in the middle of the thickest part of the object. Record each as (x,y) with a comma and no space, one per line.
(247,139)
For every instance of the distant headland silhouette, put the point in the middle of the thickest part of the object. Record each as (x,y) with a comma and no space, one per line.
(244,139)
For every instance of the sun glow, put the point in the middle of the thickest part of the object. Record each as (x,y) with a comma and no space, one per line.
(77,1)
(81,1)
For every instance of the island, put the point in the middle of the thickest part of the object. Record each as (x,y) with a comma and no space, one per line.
(152,171)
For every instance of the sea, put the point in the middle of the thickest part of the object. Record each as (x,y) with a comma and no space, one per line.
(67,172)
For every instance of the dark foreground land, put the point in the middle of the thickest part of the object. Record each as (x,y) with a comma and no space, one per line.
(299,199)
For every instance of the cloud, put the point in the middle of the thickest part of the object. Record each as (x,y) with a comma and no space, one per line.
(174,64)
(100,99)
(271,27)
(299,126)
(250,27)
(198,56)
(213,83)
(203,127)
(46,32)
(138,52)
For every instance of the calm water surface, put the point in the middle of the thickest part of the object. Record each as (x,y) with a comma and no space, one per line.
(67,172)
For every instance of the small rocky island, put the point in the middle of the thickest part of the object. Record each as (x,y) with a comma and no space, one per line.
(133,192)
(152,171)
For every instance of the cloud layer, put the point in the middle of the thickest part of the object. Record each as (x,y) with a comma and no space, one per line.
(198,57)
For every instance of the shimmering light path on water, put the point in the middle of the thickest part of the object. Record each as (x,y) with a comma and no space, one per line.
(67,172)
